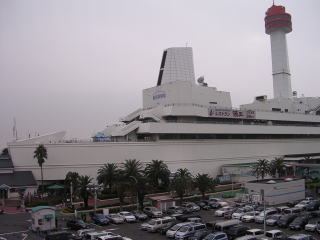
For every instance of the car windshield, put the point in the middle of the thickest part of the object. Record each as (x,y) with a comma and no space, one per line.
(175,228)
(239,211)
(184,229)
(152,222)
(268,234)
(99,216)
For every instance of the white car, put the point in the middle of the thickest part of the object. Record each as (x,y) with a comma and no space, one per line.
(272,234)
(249,217)
(255,232)
(302,204)
(312,225)
(220,212)
(128,217)
(237,214)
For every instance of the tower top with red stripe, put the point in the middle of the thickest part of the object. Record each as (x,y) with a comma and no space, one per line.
(277,19)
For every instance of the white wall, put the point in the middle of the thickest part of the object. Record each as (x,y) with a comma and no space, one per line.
(279,193)
(197,156)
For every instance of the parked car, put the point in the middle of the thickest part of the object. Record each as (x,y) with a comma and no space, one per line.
(128,217)
(188,230)
(299,223)
(76,224)
(175,210)
(285,220)
(203,205)
(292,210)
(302,204)
(274,234)
(80,233)
(96,234)
(238,213)
(100,219)
(237,231)
(154,224)
(116,218)
(109,236)
(301,237)
(220,212)
(223,226)
(216,236)
(172,231)
(272,220)
(247,237)
(255,232)
(293,203)
(152,212)
(228,214)
(139,215)
(260,218)
(163,230)
(313,205)
(185,217)
(280,209)
(249,217)
(311,226)
(200,234)
(190,207)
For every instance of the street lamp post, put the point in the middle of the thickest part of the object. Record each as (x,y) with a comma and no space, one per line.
(136,181)
(264,210)
(95,188)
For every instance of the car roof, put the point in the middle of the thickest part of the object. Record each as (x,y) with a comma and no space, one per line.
(274,231)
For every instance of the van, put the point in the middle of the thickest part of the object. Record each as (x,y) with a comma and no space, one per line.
(292,210)
(154,224)
(95,235)
(225,225)
(188,230)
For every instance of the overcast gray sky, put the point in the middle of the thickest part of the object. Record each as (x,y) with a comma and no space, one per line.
(80,65)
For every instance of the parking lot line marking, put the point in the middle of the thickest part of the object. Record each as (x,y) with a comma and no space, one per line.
(8,233)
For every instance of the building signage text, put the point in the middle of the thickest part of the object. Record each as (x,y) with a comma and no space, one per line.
(230,113)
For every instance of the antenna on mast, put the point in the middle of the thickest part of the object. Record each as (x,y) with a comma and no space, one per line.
(273,2)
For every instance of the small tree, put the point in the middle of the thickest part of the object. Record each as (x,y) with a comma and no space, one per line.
(5,152)
(182,182)
(107,175)
(261,168)
(84,182)
(158,174)
(72,178)
(41,155)
(203,182)
(277,167)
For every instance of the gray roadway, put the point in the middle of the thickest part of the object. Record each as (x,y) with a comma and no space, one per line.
(13,226)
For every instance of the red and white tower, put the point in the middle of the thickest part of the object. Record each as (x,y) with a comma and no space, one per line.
(278,24)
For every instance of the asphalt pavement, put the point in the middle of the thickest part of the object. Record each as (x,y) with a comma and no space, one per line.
(15,226)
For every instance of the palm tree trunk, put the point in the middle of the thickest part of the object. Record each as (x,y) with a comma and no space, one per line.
(42,186)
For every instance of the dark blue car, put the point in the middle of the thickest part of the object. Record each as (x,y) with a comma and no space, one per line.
(100,219)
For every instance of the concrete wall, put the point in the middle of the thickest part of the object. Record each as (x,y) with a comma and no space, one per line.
(280,192)
(197,156)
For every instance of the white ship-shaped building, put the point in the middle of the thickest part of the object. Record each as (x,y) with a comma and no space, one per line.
(188,124)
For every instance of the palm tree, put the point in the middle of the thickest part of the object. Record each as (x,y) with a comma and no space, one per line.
(157,171)
(107,175)
(203,182)
(132,167)
(41,155)
(277,167)
(84,183)
(182,182)
(72,178)
(121,185)
(261,168)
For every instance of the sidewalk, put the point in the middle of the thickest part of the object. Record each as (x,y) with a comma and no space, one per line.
(11,210)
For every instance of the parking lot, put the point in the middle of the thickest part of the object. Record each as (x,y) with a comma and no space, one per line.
(17,225)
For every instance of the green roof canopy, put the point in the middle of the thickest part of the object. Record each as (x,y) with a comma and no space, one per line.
(54,187)
(36,209)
